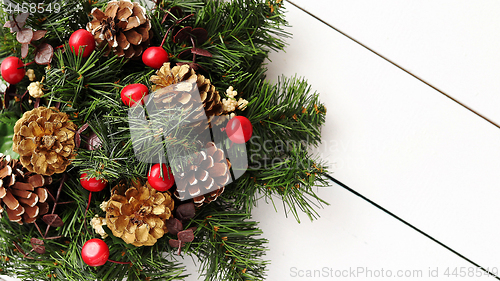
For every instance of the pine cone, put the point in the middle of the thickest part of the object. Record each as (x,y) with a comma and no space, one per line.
(165,77)
(23,193)
(138,215)
(205,179)
(44,139)
(123,27)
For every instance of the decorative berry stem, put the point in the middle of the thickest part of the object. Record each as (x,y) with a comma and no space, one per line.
(29,63)
(88,204)
(194,46)
(120,262)
(173,25)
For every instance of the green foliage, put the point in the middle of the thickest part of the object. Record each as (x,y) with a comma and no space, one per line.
(227,244)
(6,135)
(286,119)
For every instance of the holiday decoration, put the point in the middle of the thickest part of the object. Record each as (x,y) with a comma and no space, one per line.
(166,76)
(95,252)
(92,184)
(44,139)
(23,194)
(27,37)
(206,177)
(12,70)
(123,27)
(35,90)
(155,177)
(155,57)
(239,129)
(134,94)
(93,142)
(97,224)
(230,104)
(160,113)
(138,214)
(31,74)
(84,40)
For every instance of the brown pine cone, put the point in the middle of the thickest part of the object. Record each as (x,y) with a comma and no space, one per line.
(23,193)
(165,77)
(138,214)
(123,27)
(205,179)
(44,139)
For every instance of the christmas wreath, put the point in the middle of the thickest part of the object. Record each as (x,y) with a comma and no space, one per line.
(132,133)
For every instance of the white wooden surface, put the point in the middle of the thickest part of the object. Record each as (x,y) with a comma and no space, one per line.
(397,141)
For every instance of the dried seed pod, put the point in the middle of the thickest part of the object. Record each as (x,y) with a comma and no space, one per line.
(138,214)
(24,194)
(123,28)
(44,139)
(166,76)
(205,179)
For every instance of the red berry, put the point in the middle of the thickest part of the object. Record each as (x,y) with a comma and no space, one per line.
(155,57)
(239,129)
(133,94)
(158,183)
(92,184)
(95,252)
(82,38)
(13,70)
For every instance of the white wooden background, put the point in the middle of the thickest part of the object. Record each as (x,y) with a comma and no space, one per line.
(397,141)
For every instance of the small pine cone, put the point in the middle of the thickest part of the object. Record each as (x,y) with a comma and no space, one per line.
(205,179)
(138,215)
(123,27)
(44,139)
(165,77)
(22,192)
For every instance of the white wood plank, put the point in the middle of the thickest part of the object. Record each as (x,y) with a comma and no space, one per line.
(399,142)
(453,44)
(351,235)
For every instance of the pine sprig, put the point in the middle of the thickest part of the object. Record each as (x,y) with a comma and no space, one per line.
(228,245)
(71,79)
(292,180)
(285,112)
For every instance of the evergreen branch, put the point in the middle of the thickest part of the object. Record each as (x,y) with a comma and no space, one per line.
(75,81)
(284,113)
(227,245)
(291,176)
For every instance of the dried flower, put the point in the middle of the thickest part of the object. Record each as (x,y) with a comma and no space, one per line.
(97,223)
(31,74)
(35,89)
(104,205)
(242,104)
(231,104)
